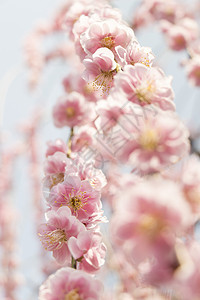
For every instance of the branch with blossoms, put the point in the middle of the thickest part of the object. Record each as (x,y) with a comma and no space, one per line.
(179,24)
(120,111)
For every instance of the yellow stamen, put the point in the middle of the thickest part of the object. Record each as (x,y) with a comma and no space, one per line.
(108,42)
(70,112)
(104,80)
(75,203)
(150,225)
(145,92)
(149,139)
(73,295)
(53,240)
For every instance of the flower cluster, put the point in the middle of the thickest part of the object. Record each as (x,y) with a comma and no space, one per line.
(180,27)
(72,190)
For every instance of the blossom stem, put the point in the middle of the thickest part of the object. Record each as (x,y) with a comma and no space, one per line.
(73,263)
(70,142)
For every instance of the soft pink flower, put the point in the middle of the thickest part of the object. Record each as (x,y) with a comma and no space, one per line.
(83,23)
(54,168)
(74,82)
(84,138)
(108,33)
(54,234)
(56,163)
(76,10)
(56,146)
(144,86)
(79,196)
(87,171)
(73,110)
(79,28)
(69,284)
(156,139)
(147,220)
(180,34)
(101,69)
(109,111)
(177,37)
(89,250)
(166,10)
(133,54)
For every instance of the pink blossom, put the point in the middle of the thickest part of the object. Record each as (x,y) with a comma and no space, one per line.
(162,10)
(54,168)
(76,10)
(74,82)
(146,222)
(79,196)
(68,284)
(89,250)
(96,11)
(101,69)
(87,171)
(157,139)
(144,86)
(79,28)
(177,37)
(133,54)
(56,146)
(72,110)
(108,33)
(84,138)
(180,34)
(56,163)
(54,234)
(109,111)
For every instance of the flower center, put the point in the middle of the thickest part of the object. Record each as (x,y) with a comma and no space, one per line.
(88,89)
(145,92)
(72,295)
(75,203)
(150,225)
(108,42)
(197,73)
(57,178)
(149,140)
(104,80)
(53,240)
(145,61)
(70,112)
